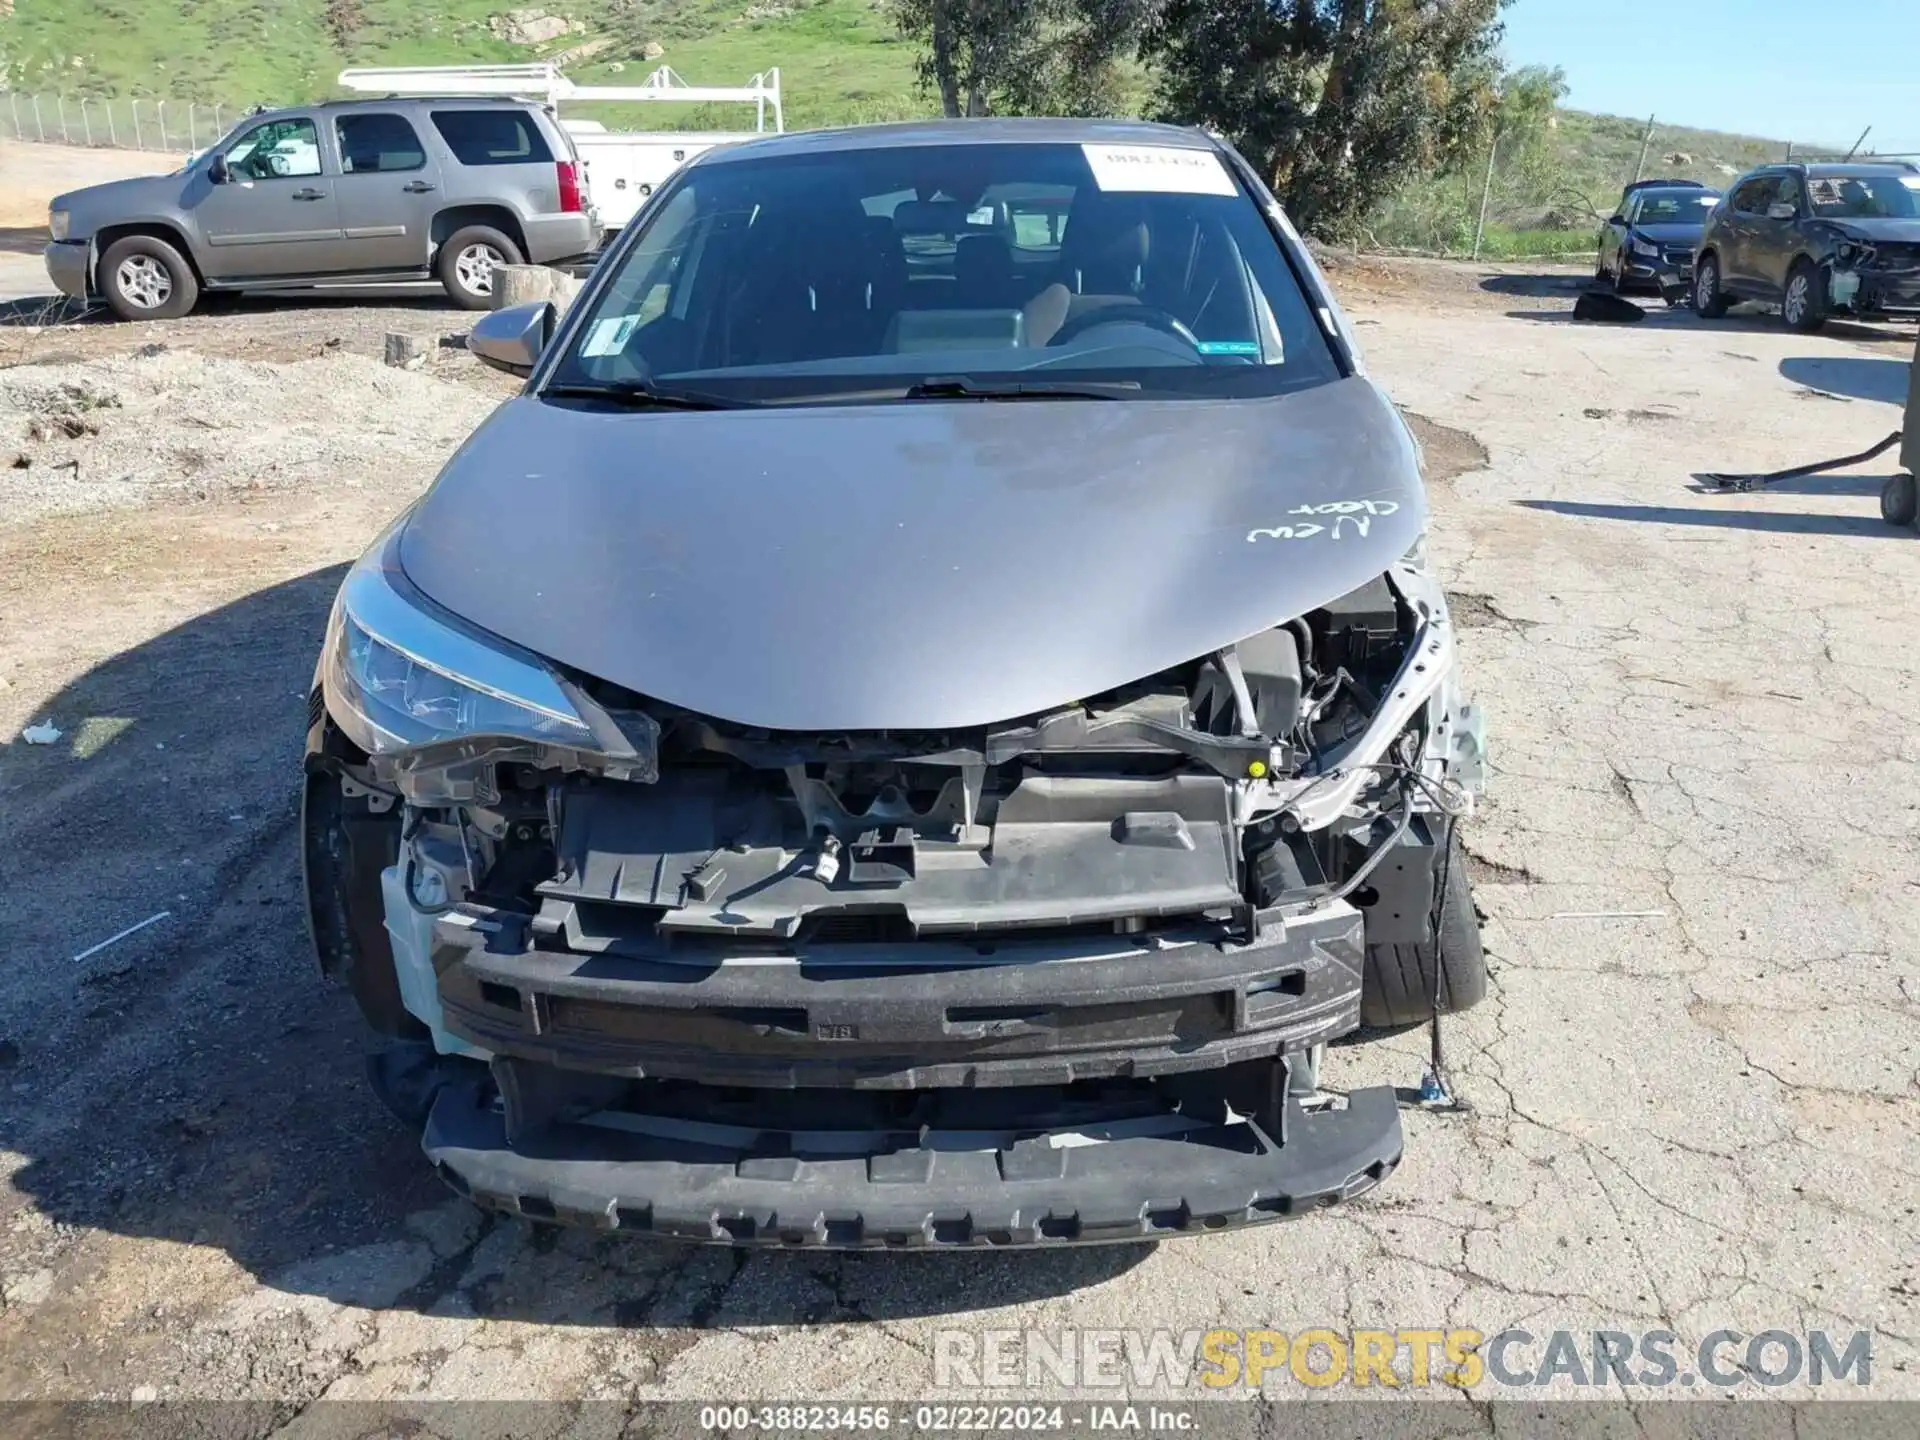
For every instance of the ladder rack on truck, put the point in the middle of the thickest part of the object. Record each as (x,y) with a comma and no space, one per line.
(621,168)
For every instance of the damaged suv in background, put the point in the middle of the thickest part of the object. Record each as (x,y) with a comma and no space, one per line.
(1819,240)
(919,723)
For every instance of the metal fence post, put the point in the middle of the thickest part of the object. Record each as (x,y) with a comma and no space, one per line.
(1486,194)
(193,126)
(38,128)
(13,101)
(1640,167)
(60,109)
(219,125)
(86,121)
(112,138)
(161,106)
(139,140)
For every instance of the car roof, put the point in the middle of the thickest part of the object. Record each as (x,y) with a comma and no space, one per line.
(1860,169)
(993,131)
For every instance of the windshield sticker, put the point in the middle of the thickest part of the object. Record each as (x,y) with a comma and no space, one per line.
(609,337)
(1343,517)
(1162,169)
(1912,182)
(1229,347)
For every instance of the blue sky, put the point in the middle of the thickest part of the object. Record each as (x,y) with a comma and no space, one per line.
(1785,69)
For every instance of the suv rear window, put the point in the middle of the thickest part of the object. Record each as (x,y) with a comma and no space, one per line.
(492,137)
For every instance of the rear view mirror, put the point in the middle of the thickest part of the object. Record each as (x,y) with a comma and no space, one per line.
(1782,210)
(512,339)
(217,171)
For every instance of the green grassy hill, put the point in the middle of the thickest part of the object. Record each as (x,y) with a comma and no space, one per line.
(841,61)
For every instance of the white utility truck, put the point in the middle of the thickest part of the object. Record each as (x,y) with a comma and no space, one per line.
(622,167)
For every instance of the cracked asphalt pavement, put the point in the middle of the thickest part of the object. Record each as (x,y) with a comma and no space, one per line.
(1692,1089)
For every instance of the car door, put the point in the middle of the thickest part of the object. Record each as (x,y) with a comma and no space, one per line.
(1614,236)
(1749,207)
(388,190)
(1776,235)
(273,214)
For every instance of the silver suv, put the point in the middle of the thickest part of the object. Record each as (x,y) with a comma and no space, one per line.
(365,190)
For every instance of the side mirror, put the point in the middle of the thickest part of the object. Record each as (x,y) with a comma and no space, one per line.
(1617,220)
(217,172)
(1783,210)
(512,339)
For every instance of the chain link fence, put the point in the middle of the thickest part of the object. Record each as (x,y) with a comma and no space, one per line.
(173,126)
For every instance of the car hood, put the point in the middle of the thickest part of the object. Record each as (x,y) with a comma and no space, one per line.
(119,199)
(911,566)
(1670,234)
(1883,228)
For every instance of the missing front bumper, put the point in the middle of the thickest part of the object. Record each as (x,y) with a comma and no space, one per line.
(741,1185)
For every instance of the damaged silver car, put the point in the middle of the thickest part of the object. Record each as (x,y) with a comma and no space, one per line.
(918,724)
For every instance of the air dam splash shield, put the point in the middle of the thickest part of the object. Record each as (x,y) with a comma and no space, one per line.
(923,1015)
(739,1185)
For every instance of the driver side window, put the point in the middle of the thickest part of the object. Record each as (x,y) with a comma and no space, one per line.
(276,150)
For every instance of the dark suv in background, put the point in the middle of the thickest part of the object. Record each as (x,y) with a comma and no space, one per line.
(1817,240)
(364,190)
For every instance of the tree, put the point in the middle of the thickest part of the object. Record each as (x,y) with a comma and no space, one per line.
(1022,57)
(1336,102)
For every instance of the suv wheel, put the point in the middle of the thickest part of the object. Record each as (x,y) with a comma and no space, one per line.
(1804,306)
(1709,300)
(467,263)
(1400,980)
(144,278)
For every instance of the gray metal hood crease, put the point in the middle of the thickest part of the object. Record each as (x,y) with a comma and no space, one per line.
(911,566)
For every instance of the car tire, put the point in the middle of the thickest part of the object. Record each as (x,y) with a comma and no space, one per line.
(466,264)
(1398,986)
(1803,307)
(145,278)
(1709,299)
(1900,499)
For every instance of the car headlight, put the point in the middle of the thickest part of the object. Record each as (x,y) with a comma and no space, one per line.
(57,224)
(398,674)
(1642,247)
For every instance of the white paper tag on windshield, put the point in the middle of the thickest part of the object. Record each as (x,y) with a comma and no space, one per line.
(608,337)
(1912,182)
(1162,169)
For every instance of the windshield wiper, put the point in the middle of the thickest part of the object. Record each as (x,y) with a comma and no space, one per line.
(645,395)
(959,387)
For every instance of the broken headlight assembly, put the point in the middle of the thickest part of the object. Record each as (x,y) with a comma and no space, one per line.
(399,676)
(436,705)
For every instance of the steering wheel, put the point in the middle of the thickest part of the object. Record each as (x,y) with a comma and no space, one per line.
(1152,316)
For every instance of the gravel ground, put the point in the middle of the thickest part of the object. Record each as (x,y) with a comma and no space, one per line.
(1701,1115)
(165,424)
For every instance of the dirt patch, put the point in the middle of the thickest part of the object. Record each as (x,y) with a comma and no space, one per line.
(1483,871)
(1450,453)
(1637,417)
(32,174)
(98,434)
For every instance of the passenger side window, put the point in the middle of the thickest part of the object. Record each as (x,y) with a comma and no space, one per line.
(276,150)
(492,137)
(1789,192)
(1753,197)
(377,143)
